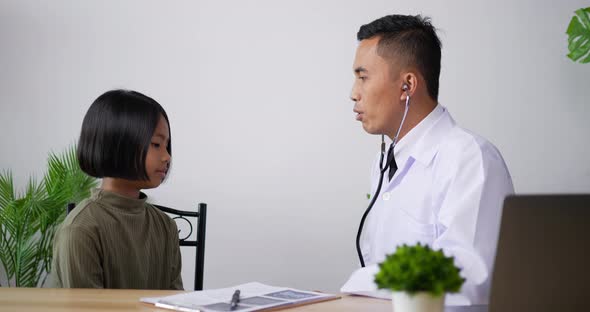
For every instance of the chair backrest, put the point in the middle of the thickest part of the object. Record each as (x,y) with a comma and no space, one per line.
(199,243)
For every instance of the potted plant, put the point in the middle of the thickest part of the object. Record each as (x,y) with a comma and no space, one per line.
(419,277)
(29,219)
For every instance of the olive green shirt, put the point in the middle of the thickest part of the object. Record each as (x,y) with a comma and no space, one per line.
(113,241)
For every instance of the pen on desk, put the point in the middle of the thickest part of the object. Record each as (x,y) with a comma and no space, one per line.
(235,299)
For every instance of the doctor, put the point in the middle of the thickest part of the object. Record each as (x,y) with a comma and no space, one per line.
(442,185)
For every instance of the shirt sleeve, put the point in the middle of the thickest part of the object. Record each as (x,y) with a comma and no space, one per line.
(472,187)
(176,282)
(77,259)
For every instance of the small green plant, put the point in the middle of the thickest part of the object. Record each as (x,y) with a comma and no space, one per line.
(578,32)
(419,268)
(29,220)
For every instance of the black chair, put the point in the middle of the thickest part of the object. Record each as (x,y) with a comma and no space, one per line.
(199,243)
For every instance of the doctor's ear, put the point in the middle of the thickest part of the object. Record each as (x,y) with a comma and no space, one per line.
(408,87)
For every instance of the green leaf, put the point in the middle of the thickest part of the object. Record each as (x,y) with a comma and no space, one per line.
(6,189)
(583,15)
(29,220)
(578,32)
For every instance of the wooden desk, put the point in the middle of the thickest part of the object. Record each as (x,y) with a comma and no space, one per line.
(88,300)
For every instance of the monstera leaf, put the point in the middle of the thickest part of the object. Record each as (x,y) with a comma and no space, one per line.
(579,36)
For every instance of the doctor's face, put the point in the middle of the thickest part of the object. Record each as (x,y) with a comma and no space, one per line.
(375,92)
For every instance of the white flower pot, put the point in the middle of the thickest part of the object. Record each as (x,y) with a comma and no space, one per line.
(418,302)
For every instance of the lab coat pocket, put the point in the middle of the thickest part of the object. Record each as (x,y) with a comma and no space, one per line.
(414,205)
(416,230)
(418,226)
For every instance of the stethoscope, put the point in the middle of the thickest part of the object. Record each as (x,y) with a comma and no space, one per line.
(382,170)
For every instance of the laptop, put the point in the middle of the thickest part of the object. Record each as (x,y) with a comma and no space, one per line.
(543,256)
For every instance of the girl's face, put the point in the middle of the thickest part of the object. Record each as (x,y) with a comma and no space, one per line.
(157,160)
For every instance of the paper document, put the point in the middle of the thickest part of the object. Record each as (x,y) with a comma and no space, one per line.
(253,297)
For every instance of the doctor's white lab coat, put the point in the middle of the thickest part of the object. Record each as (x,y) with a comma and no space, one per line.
(448,193)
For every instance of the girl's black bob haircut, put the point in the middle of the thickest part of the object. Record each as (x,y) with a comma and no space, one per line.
(116,135)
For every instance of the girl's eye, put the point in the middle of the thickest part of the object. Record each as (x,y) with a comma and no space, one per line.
(156,145)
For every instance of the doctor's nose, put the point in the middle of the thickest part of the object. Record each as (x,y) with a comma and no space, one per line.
(354,96)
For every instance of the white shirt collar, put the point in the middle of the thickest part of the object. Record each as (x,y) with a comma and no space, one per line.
(407,146)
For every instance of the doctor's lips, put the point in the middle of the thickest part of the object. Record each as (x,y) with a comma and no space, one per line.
(359,115)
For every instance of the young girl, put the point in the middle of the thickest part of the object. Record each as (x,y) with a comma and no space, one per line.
(114,239)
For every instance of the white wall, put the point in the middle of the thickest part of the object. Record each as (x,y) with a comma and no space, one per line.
(263,129)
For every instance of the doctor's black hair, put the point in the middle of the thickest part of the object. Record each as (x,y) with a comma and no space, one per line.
(411,39)
(116,135)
